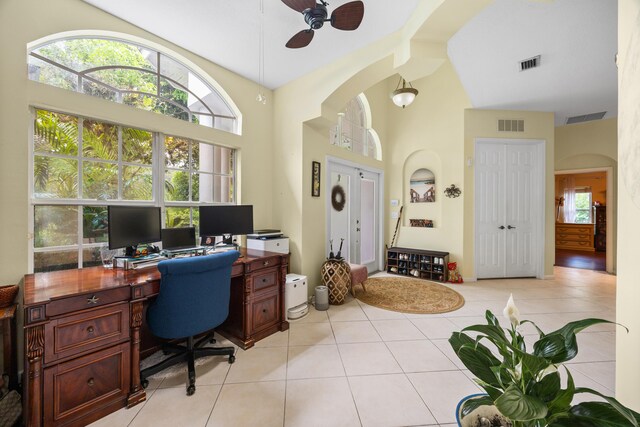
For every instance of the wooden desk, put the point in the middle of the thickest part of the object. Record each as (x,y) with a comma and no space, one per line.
(84,328)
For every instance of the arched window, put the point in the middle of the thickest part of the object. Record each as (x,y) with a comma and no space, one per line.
(132,74)
(353,131)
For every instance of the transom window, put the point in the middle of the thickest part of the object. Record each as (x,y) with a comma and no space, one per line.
(353,131)
(130,74)
(82,165)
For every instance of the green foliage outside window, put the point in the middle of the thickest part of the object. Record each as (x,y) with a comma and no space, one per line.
(583,208)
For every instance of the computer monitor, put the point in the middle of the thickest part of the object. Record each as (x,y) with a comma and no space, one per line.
(226,221)
(130,226)
(178,238)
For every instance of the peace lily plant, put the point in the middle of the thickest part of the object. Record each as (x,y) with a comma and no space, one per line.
(525,386)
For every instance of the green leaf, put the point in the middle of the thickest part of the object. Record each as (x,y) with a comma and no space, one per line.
(563,399)
(491,319)
(472,404)
(532,363)
(494,333)
(616,406)
(601,414)
(517,406)
(573,328)
(552,347)
(547,388)
(479,364)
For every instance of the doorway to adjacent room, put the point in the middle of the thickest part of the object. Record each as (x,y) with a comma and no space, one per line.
(583,216)
(354,212)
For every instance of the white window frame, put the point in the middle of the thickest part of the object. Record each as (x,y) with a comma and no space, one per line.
(158,172)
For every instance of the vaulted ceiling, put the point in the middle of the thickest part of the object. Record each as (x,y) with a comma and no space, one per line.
(576,41)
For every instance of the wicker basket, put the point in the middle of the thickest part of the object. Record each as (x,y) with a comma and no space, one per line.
(8,295)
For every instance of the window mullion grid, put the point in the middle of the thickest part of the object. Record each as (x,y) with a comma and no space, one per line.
(80,183)
(120,166)
(190,170)
(159,171)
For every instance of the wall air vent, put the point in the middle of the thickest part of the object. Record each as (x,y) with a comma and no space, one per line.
(527,64)
(509,125)
(585,118)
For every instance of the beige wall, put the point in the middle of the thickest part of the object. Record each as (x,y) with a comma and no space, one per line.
(483,124)
(628,293)
(429,134)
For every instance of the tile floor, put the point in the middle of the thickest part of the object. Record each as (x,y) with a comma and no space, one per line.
(357,365)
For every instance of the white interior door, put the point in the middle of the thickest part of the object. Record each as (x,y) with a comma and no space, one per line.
(357,220)
(509,200)
(521,247)
(490,210)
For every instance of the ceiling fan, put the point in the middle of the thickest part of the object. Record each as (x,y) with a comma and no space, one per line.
(346,17)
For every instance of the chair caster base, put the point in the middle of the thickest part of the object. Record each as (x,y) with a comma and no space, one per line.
(190,390)
(232,359)
(144,383)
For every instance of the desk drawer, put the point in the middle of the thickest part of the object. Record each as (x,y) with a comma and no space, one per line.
(264,312)
(263,281)
(263,263)
(86,384)
(85,301)
(71,335)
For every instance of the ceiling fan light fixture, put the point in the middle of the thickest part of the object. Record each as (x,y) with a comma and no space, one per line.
(404,95)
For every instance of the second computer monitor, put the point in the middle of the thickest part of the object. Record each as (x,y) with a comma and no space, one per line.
(178,238)
(226,220)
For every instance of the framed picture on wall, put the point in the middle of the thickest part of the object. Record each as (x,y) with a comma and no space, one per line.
(315,179)
(422,186)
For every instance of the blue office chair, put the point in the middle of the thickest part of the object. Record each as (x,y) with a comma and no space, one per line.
(193,298)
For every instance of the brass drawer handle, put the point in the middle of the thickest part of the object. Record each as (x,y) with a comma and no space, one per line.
(93,300)
(91,382)
(90,329)
(265,263)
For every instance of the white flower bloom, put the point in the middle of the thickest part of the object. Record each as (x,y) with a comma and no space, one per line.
(511,312)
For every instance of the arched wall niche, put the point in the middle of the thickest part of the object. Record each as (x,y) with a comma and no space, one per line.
(418,160)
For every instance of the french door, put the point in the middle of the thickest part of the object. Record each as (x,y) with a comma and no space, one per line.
(509,208)
(353,219)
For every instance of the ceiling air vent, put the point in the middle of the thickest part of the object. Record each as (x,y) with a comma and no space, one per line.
(527,64)
(585,118)
(508,125)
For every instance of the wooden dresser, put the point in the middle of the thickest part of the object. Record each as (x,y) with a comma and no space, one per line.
(578,237)
(85,333)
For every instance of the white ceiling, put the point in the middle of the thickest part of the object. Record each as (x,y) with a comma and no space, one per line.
(227,32)
(576,38)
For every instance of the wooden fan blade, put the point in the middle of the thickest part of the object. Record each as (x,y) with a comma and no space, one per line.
(348,16)
(300,5)
(301,39)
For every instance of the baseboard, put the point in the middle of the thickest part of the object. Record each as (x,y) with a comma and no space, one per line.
(470,279)
(549,276)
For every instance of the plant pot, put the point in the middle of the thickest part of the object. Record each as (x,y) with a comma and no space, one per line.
(484,416)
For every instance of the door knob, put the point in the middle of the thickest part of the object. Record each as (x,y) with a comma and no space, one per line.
(501,227)
(510,227)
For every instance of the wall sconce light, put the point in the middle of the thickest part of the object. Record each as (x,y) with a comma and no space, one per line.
(404,95)
(452,191)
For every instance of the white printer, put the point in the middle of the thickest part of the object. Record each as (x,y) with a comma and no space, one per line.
(295,296)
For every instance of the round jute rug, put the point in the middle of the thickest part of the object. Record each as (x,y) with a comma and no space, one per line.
(407,295)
